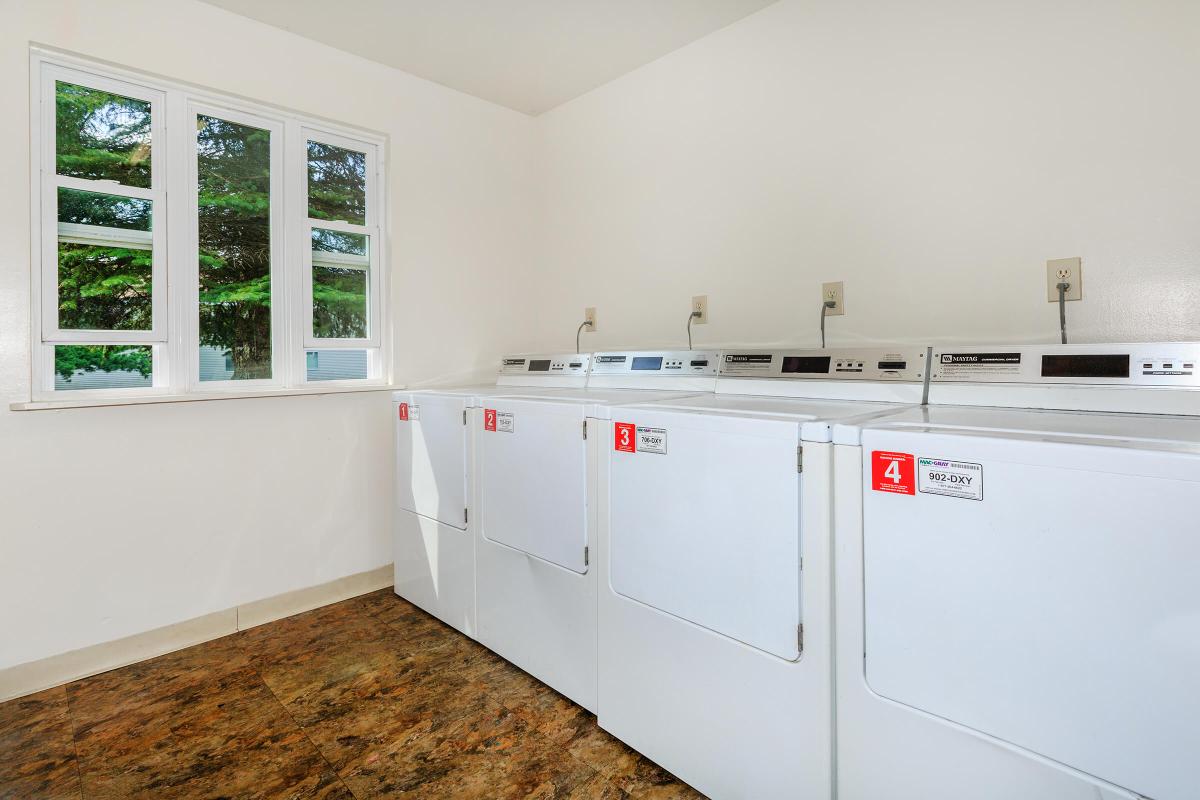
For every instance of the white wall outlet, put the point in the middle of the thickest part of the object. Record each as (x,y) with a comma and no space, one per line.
(1064,270)
(700,303)
(589,316)
(836,293)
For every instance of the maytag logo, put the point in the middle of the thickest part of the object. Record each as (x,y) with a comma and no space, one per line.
(981,358)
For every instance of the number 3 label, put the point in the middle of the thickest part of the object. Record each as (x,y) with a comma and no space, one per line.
(625,437)
(893,472)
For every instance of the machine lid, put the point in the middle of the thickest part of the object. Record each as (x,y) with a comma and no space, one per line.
(1137,431)
(816,416)
(1146,377)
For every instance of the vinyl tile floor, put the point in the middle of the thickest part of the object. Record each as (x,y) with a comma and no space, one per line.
(367,698)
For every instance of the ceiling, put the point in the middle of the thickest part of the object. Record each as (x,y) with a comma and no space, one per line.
(529,55)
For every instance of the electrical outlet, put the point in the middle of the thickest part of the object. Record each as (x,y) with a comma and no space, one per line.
(700,303)
(836,293)
(1064,270)
(589,316)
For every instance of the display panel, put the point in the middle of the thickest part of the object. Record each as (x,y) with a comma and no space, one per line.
(893,365)
(539,365)
(811,365)
(1085,366)
(647,362)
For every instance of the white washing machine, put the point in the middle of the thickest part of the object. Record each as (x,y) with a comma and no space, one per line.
(715,608)
(433,543)
(536,462)
(1017,609)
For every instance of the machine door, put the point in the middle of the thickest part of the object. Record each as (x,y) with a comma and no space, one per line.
(1051,601)
(533,479)
(431,456)
(704,516)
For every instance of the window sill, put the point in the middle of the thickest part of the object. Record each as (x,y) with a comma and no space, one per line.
(94,402)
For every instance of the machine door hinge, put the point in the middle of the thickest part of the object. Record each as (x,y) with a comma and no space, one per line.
(466,519)
(585,555)
(585,429)
(800,637)
(799,458)
(464,416)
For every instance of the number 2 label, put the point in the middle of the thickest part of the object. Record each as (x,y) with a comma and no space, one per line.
(489,419)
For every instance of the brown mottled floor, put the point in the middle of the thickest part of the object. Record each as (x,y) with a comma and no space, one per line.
(370,697)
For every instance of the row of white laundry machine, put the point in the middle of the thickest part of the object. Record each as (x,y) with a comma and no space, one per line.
(873,573)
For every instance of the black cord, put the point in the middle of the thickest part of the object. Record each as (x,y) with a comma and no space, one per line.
(827,304)
(579,330)
(1062,310)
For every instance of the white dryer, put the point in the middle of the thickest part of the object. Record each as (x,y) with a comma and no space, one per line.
(715,608)
(433,544)
(536,462)
(1018,614)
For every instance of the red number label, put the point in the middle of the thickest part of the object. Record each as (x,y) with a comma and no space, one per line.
(489,419)
(893,472)
(404,412)
(625,437)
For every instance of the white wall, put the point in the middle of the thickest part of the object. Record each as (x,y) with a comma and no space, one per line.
(115,521)
(931,154)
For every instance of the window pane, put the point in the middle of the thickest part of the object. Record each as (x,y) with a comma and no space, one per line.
(337,183)
(340,263)
(105,262)
(102,367)
(234,168)
(336,365)
(101,136)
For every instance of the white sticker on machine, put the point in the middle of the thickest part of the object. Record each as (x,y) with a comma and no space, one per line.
(942,476)
(414,413)
(505,422)
(652,440)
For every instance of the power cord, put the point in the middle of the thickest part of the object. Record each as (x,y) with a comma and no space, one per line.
(579,330)
(1062,310)
(825,306)
(691,316)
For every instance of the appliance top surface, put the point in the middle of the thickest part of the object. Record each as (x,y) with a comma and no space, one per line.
(588,396)
(803,409)
(470,390)
(1141,431)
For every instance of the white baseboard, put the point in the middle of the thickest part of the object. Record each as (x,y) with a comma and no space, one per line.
(46,673)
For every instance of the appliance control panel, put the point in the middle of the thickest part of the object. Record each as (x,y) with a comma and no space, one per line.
(1141,364)
(656,362)
(900,363)
(570,364)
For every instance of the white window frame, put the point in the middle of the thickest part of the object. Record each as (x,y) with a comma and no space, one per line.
(50,182)
(174,337)
(278,234)
(370,229)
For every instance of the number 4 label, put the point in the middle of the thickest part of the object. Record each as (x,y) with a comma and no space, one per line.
(893,472)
